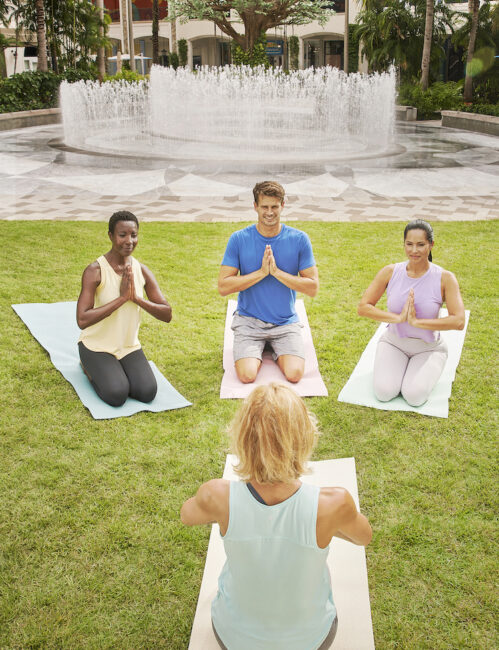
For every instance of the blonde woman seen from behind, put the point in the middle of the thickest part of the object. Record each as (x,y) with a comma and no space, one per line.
(274,592)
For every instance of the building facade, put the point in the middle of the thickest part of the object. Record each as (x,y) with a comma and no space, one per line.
(207,45)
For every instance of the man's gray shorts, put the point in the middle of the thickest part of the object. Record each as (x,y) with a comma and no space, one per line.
(251,335)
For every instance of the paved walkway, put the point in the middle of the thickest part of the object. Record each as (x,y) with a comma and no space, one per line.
(440,174)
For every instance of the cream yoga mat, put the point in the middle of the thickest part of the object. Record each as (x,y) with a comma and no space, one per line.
(347,564)
(359,387)
(311,384)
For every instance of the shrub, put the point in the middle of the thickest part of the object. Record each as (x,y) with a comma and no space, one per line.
(29,91)
(482,109)
(173,59)
(256,56)
(182,52)
(126,75)
(440,96)
(294,49)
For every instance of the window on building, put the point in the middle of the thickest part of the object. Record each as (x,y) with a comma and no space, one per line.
(337,5)
(141,10)
(333,53)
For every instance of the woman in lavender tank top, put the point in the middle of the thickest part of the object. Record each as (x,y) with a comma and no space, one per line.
(411,355)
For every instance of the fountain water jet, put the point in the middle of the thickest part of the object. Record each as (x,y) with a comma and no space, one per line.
(240,115)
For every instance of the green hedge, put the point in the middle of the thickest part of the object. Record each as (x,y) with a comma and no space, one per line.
(483,109)
(439,97)
(30,91)
(442,97)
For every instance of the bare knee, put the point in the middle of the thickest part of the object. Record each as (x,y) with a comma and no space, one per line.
(247,370)
(293,374)
(292,367)
(247,377)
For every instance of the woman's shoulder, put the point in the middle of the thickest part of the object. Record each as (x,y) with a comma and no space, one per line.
(216,488)
(93,270)
(447,276)
(335,502)
(387,271)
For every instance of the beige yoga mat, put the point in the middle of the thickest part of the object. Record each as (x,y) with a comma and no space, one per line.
(347,564)
(311,384)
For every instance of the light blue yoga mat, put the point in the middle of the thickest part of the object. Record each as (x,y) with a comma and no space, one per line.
(359,387)
(54,326)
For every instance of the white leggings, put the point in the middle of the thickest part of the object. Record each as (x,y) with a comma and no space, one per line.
(408,366)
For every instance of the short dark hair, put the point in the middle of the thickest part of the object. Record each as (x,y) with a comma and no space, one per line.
(268,188)
(121,215)
(420,224)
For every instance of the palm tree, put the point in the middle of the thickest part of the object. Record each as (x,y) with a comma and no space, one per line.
(155,31)
(473,7)
(41,36)
(428,35)
(393,31)
(4,12)
(101,52)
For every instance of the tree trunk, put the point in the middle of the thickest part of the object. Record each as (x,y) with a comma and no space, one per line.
(131,41)
(3,65)
(473,6)
(155,31)
(346,37)
(101,52)
(173,44)
(124,25)
(41,37)
(428,35)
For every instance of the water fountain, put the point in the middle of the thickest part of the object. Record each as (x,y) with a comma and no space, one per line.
(238,115)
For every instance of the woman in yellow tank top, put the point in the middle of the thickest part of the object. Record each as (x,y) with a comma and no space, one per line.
(108,313)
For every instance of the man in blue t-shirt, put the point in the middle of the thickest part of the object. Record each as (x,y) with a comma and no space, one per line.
(268,263)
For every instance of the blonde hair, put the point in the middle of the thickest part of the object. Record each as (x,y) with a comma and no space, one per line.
(273,435)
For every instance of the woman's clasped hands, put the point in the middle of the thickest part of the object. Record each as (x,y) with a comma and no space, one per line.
(127,287)
(408,313)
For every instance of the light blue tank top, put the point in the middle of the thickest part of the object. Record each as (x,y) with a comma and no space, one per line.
(274,592)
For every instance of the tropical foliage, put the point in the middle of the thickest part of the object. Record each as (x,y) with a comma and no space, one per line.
(438,97)
(71,27)
(480,27)
(393,31)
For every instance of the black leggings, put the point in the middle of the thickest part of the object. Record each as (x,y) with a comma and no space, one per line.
(115,379)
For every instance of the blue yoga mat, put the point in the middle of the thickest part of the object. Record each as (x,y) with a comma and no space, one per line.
(54,326)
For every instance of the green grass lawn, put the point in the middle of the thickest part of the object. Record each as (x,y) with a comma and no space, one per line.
(92,551)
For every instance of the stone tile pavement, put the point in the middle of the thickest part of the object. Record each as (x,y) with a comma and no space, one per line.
(442,175)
